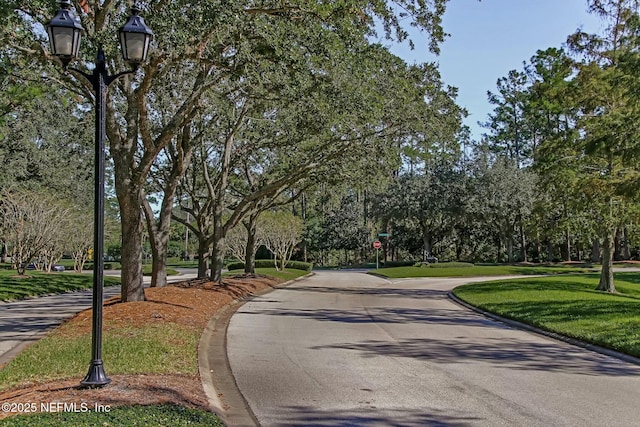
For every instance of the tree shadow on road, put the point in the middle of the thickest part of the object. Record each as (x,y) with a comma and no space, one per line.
(312,416)
(513,353)
(390,292)
(397,315)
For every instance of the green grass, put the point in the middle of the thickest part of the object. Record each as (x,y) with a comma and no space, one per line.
(488,270)
(287,274)
(13,287)
(146,270)
(130,416)
(568,305)
(153,349)
(178,263)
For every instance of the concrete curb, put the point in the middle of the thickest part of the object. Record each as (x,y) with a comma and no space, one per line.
(218,382)
(553,335)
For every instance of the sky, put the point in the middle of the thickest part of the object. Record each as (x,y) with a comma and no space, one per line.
(489,38)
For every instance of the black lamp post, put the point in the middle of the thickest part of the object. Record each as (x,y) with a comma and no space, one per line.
(64,38)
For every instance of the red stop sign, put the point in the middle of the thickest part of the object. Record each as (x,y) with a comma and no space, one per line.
(377,244)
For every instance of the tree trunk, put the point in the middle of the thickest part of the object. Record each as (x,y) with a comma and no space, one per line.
(159,233)
(427,245)
(217,239)
(523,244)
(3,252)
(159,265)
(250,252)
(606,276)
(567,236)
(203,258)
(595,251)
(626,249)
(621,245)
(217,260)
(132,288)
(510,249)
(303,207)
(538,248)
(549,251)
(158,240)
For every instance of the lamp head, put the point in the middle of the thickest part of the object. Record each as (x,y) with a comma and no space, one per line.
(64,33)
(135,38)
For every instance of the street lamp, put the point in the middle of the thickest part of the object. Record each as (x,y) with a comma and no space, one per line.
(64,37)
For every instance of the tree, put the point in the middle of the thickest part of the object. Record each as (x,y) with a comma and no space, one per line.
(344,228)
(281,232)
(80,238)
(206,41)
(605,93)
(31,228)
(510,133)
(432,201)
(501,204)
(236,243)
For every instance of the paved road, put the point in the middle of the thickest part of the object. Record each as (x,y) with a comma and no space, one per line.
(22,322)
(351,349)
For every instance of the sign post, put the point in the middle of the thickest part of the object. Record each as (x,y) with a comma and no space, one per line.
(377,245)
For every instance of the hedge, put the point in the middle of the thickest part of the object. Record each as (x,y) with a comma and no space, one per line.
(269,263)
(453,264)
(398,264)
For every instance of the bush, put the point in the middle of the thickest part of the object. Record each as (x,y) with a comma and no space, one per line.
(398,264)
(268,263)
(451,265)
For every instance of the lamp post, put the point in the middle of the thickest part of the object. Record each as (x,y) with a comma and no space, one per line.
(64,37)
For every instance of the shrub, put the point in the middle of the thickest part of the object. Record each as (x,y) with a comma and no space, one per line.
(451,265)
(399,263)
(268,263)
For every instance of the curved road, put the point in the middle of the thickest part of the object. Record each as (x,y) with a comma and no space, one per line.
(345,348)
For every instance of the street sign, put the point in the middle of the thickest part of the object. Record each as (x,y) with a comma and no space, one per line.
(377,244)
(383,234)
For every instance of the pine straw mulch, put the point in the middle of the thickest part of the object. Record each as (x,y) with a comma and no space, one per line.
(190,303)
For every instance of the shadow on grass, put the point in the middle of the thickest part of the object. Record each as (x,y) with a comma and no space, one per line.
(15,287)
(572,309)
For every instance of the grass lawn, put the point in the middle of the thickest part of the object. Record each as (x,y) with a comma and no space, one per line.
(149,349)
(568,305)
(481,270)
(142,416)
(13,287)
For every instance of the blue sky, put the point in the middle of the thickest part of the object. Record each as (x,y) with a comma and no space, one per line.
(491,37)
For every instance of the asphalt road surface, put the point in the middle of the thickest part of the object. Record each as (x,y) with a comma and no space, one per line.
(344,348)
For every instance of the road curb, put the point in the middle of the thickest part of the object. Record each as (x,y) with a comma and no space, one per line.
(218,382)
(553,335)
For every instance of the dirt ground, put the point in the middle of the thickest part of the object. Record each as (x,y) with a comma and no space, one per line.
(192,303)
